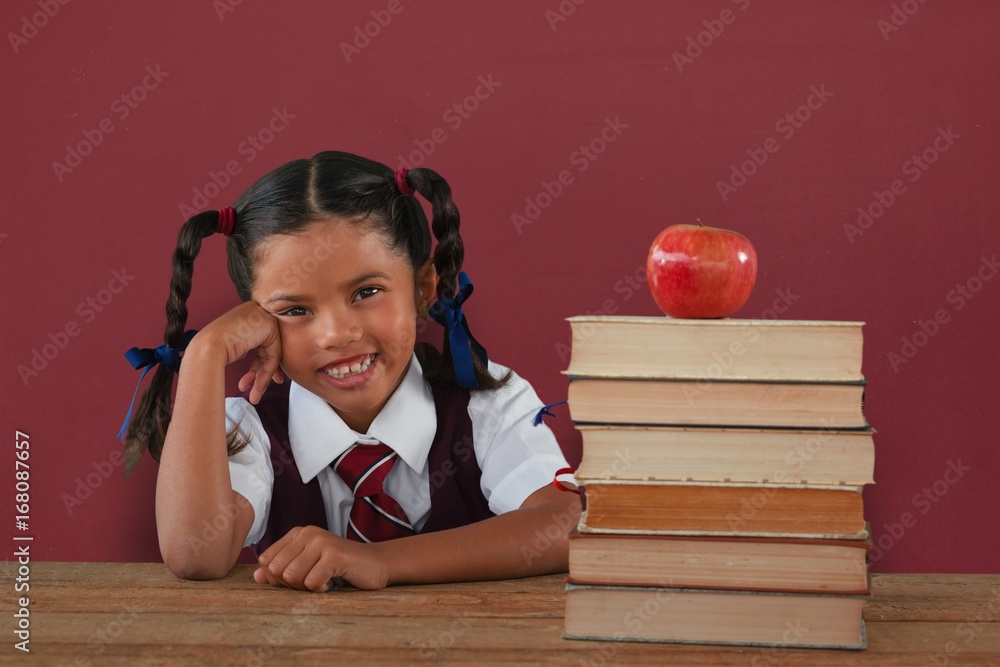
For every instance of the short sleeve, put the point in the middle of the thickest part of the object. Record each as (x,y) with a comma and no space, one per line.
(250,471)
(516,457)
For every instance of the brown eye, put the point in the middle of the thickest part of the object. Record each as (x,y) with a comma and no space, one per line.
(367,292)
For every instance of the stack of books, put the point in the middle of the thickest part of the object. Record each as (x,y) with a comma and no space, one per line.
(722,470)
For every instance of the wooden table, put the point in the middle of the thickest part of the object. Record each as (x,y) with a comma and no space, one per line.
(139,614)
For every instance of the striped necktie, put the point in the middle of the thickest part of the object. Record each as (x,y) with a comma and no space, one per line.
(375,515)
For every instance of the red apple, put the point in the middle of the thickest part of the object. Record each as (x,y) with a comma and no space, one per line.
(696,271)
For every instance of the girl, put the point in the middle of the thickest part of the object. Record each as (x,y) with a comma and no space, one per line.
(352,453)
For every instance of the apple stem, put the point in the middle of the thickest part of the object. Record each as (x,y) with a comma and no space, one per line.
(699,222)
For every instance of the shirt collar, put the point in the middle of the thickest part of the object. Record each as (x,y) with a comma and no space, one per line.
(407,423)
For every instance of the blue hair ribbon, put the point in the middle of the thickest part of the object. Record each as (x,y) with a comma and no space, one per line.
(148,358)
(545,411)
(447,311)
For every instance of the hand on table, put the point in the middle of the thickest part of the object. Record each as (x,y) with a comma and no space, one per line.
(309,558)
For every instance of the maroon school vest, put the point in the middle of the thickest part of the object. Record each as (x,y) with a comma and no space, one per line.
(456,496)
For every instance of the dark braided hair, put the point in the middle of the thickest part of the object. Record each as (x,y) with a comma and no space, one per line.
(330,185)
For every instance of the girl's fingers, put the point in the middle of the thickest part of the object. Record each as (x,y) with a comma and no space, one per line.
(259,384)
(281,560)
(248,378)
(265,558)
(300,568)
(320,577)
(267,365)
(245,381)
(259,376)
(262,576)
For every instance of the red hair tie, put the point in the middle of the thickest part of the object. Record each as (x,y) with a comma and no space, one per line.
(225,223)
(404,188)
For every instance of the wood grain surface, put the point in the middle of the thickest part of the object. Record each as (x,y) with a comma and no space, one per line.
(139,614)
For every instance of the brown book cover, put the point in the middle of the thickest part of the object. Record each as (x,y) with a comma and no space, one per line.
(774,510)
(726,348)
(720,563)
(613,613)
(694,453)
(717,403)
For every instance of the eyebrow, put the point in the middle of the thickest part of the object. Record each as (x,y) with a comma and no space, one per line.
(302,297)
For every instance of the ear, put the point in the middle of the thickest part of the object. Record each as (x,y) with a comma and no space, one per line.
(426,292)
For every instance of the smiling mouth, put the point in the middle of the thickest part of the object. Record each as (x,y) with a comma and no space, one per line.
(354,368)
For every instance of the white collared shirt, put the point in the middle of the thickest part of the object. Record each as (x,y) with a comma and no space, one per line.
(516,457)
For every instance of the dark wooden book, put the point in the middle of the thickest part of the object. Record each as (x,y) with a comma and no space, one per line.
(726,563)
(714,617)
(690,508)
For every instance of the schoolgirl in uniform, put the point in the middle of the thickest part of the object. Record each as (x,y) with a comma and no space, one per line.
(352,453)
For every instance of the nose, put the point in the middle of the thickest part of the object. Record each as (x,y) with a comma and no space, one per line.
(338,328)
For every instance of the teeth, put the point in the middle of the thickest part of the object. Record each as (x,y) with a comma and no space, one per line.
(352,369)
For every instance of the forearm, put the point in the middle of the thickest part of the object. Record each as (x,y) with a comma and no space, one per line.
(192,486)
(528,541)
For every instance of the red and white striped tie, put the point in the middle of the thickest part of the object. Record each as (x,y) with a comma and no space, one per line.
(375,515)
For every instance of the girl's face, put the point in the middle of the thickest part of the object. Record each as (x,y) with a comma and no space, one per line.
(347,312)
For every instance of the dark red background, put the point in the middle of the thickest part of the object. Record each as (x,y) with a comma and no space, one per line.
(120,207)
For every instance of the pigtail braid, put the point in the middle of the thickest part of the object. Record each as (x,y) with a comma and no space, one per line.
(148,427)
(448,257)
(445,222)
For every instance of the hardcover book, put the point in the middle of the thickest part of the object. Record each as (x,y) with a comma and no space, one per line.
(741,349)
(726,563)
(715,617)
(691,508)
